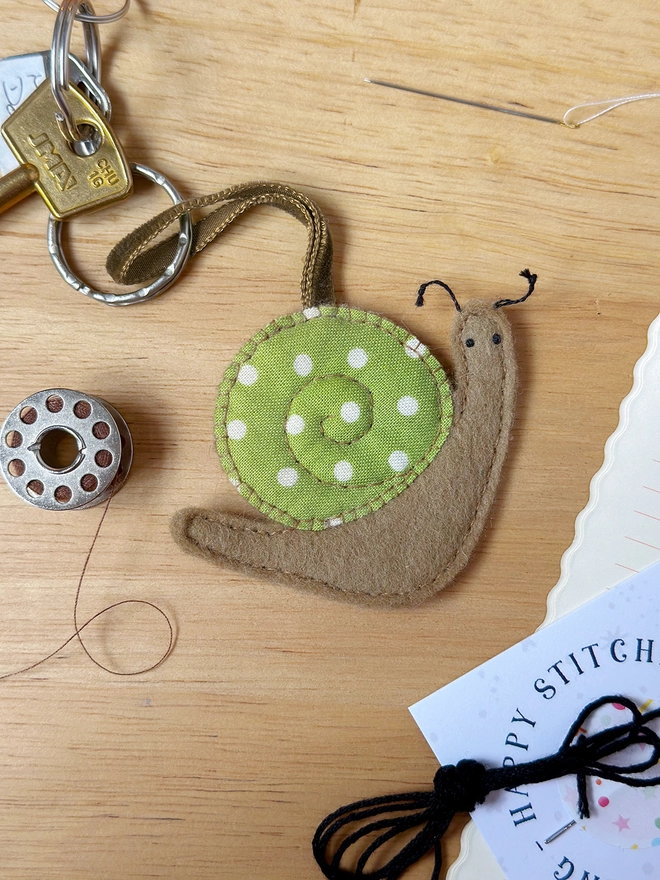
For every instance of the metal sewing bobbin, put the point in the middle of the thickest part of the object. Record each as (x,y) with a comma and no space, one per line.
(65,450)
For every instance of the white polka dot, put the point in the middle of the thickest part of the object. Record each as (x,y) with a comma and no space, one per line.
(295,425)
(415,348)
(343,471)
(287,477)
(357,357)
(407,406)
(234,481)
(398,461)
(350,412)
(303,364)
(236,429)
(248,375)
(311,312)
(335,521)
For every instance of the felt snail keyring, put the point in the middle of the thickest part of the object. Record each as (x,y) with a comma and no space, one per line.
(373,473)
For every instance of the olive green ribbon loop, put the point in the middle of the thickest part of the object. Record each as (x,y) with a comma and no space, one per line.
(132,261)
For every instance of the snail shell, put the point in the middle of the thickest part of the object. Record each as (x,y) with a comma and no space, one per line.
(328,414)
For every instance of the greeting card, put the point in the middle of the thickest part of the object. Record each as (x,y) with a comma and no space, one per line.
(517,708)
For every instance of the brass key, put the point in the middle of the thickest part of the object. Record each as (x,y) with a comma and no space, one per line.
(17,184)
(69,183)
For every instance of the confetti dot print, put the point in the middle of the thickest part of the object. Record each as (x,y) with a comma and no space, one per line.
(620,815)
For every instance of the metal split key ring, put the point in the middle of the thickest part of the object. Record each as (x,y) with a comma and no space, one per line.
(59,69)
(184,246)
(69,12)
(90,17)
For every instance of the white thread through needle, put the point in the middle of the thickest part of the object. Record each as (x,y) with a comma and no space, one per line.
(607,105)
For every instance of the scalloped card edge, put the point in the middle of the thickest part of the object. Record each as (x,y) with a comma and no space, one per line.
(476,861)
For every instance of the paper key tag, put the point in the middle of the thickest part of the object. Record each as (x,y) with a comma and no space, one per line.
(518,706)
(19,77)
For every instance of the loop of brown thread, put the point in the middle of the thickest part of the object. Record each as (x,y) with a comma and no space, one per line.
(77,634)
(132,261)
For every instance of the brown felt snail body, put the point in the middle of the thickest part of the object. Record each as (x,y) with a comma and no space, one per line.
(416,544)
(424,510)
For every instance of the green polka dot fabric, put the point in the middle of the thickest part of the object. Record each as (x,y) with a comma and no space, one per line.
(327,414)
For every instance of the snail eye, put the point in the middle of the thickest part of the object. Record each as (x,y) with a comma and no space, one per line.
(497,338)
(469,342)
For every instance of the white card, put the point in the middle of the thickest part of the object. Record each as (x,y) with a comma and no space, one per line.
(519,707)
(612,538)
(19,77)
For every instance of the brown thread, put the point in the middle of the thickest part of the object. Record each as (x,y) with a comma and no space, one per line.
(103,458)
(14,439)
(54,403)
(101,430)
(77,634)
(89,483)
(63,494)
(82,409)
(16,467)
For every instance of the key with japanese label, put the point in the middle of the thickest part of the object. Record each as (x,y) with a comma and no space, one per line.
(20,75)
(71,184)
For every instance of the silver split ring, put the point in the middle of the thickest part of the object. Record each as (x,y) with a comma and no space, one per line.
(90,17)
(59,68)
(93,56)
(55,249)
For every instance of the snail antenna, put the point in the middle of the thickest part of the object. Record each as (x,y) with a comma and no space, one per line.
(531,278)
(422,290)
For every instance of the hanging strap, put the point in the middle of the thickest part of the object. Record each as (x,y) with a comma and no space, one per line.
(132,261)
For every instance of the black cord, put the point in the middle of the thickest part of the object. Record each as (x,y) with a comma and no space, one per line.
(422,290)
(460,788)
(531,278)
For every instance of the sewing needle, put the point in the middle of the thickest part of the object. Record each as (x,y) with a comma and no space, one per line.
(561,831)
(479,104)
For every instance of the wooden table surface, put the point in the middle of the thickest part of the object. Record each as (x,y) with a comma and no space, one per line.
(275,707)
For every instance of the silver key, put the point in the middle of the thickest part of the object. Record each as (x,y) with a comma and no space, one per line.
(20,76)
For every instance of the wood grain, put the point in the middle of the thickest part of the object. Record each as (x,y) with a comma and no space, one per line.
(276,707)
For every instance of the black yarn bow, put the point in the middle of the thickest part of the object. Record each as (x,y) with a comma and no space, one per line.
(460,788)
